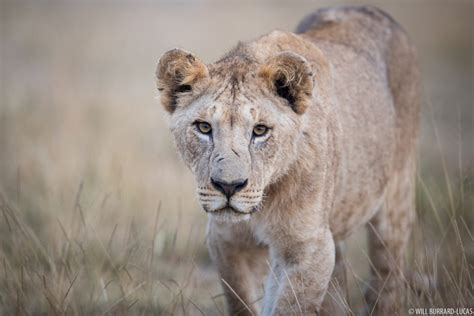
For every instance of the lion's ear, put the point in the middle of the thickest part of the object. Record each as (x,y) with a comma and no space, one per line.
(179,73)
(289,76)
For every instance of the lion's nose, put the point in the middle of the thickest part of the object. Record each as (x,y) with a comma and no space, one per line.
(229,189)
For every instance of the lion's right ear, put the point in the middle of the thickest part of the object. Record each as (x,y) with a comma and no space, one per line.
(179,73)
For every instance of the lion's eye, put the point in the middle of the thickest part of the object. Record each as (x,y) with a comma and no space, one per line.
(204,127)
(260,130)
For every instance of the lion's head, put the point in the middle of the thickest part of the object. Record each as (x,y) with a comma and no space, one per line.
(236,123)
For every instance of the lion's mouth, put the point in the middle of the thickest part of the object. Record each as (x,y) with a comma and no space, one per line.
(229,209)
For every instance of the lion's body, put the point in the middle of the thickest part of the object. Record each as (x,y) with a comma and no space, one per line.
(368,51)
(348,158)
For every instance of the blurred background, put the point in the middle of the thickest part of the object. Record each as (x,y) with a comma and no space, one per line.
(97,212)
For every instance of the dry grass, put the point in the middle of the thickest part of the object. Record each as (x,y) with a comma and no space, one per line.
(98,216)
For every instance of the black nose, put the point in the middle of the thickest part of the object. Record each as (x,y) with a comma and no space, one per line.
(229,189)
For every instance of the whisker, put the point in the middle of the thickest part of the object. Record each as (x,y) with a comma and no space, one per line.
(247,202)
(206,194)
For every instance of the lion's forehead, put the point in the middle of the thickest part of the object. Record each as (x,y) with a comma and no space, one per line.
(236,89)
(233,114)
(225,105)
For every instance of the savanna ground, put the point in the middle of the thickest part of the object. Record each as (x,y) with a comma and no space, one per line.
(97,213)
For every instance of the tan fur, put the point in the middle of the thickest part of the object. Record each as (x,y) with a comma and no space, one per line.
(341,98)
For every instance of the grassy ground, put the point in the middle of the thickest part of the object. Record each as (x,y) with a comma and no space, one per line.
(97,213)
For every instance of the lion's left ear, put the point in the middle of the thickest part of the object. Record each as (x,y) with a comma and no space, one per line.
(289,76)
(179,72)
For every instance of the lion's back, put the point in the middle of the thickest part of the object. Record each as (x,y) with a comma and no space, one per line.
(365,29)
(374,35)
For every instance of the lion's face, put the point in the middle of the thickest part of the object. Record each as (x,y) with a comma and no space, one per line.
(234,132)
(235,150)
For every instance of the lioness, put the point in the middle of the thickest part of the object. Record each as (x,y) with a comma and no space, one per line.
(296,140)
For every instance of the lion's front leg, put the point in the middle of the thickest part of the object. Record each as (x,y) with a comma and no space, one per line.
(301,271)
(336,301)
(241,264)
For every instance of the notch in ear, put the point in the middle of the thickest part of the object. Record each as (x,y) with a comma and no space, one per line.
(179,73)
(289,76)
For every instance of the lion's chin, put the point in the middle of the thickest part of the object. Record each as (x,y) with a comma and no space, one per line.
(229,215)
